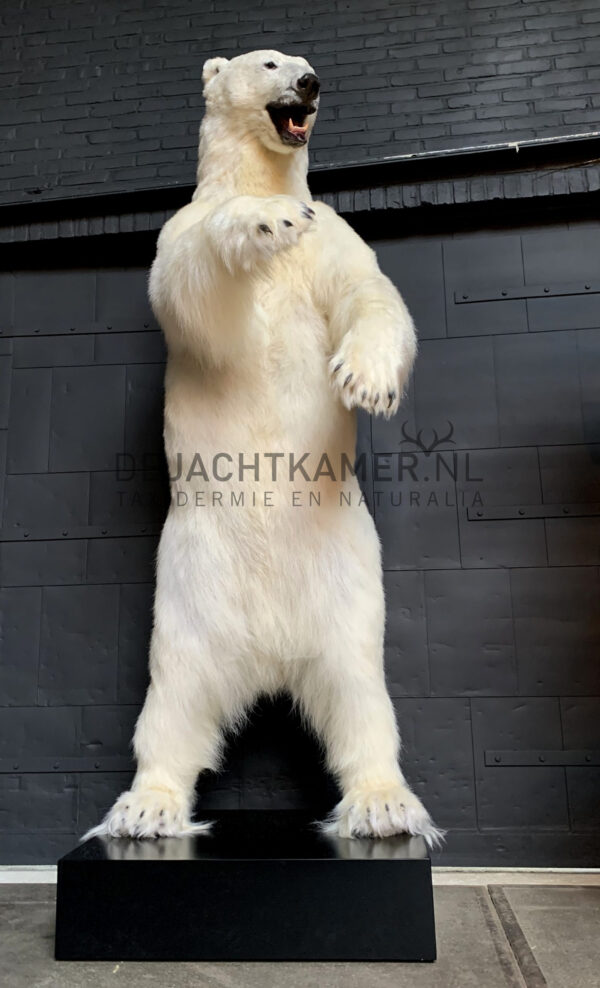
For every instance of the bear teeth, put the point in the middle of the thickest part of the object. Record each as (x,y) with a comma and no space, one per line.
(296,128)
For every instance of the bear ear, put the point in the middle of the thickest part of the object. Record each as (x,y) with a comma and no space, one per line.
(211,68)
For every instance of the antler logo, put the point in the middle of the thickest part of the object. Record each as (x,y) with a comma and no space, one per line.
(422,445)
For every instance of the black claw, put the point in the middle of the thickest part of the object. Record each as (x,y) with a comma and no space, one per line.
(264,228)
(391,396)
(348,379)
(162,813)
(287,223)
(141,814)
(336,369)
(387,807)
(376,398)
(363,396)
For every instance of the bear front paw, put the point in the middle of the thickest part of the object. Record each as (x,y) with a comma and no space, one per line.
(280,222)
(372,380)
(382,812)
(252,229)
(148,813)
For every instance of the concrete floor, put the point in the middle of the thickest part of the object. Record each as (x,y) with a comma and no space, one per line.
(490,935)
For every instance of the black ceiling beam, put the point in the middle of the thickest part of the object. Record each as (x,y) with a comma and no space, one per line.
(419,168)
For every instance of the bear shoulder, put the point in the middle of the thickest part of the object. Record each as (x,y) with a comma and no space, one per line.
(190,214)
(341,238)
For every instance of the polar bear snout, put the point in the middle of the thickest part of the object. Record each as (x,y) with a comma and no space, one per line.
(308,86)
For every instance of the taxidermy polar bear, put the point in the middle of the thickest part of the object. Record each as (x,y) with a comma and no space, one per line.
(279,324)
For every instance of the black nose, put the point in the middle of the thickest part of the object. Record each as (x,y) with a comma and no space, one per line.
(309,85)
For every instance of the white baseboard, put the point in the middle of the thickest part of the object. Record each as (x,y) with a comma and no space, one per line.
(27,874)
(516,876)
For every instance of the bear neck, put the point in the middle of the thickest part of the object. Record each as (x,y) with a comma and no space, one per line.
(231,166)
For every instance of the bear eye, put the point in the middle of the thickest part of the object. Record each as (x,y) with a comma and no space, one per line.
(270,65)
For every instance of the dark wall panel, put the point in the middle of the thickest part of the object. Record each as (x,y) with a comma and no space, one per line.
(474,657)
(485,490)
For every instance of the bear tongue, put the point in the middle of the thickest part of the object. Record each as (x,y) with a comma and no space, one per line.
(295,128)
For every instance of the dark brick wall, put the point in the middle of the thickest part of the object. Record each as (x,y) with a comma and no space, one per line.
(107,95)
(493,620)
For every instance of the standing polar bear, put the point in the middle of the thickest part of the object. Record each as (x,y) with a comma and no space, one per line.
(279,324)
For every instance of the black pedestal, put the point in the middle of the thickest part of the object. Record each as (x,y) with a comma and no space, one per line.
(262,886)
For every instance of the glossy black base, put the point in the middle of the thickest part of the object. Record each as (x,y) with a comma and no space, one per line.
(262,886)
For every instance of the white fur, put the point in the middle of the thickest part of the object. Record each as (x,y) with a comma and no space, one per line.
(274,337)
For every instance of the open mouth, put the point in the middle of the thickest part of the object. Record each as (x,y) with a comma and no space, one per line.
(289,120)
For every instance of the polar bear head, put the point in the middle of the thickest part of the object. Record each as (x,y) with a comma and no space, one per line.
(265,94)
